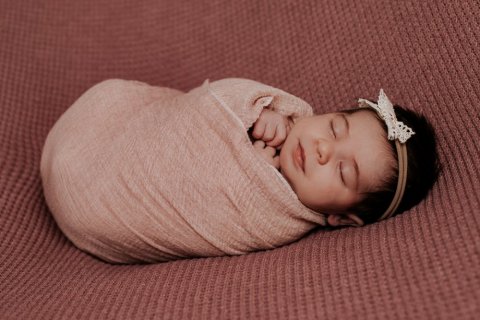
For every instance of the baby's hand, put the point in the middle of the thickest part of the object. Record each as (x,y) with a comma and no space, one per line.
(272,127)
(268,153)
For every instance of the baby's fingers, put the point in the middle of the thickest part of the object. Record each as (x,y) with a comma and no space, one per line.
(270,132)
(276,162)
(259,144)
(259,129)
(270,151)
(280,135)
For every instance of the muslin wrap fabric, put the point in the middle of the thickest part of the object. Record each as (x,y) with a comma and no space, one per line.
(136,173)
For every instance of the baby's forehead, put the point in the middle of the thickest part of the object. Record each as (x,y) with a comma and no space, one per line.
(373,151)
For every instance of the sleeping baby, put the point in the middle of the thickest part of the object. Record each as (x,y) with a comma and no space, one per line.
(135,173)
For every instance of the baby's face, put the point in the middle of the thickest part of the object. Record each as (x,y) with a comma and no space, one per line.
(345,155)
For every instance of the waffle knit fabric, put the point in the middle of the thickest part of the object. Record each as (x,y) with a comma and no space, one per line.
(422,264)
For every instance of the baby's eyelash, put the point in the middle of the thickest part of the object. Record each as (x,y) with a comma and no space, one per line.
(341,173)
(331,127)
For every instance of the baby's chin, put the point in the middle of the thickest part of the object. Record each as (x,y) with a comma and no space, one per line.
(283,165)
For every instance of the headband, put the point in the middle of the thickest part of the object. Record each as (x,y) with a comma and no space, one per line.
(400,133)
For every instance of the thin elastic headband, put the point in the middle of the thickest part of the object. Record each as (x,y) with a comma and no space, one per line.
(400,133)
(402,180)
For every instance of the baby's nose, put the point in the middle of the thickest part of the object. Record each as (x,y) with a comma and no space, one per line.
(324,149)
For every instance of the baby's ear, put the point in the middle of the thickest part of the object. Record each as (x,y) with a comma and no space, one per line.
(349,219)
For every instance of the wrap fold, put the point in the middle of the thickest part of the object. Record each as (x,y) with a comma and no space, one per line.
(138,173)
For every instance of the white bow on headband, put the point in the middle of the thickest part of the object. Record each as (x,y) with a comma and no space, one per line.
(384,108)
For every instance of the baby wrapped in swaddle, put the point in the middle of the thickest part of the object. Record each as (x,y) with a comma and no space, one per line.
(139,173)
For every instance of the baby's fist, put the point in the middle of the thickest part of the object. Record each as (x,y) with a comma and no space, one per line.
(267,152)
(272,127)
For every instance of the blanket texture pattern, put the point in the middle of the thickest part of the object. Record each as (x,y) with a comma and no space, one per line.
(139,173)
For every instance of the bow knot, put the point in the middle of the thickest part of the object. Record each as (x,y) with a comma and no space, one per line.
(396,129)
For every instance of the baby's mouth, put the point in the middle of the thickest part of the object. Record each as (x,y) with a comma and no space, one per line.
(299,157)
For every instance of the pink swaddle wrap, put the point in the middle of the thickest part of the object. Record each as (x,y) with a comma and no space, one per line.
(138,173)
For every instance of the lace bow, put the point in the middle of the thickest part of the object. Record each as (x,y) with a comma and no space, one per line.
(396,129)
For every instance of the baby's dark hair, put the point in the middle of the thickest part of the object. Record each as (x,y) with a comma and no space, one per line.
(422,171)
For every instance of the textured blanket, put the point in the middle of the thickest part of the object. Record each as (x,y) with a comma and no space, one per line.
(138,173)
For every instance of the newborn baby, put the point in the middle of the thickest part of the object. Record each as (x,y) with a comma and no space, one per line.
(138,173)
(332,155)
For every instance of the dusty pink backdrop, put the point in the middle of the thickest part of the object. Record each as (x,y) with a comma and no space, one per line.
(425,54)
